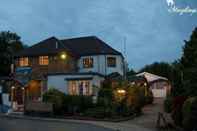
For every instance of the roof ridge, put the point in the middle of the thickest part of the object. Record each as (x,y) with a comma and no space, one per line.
(52,37)
(82,37)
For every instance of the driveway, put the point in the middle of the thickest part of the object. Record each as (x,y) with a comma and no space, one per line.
(150,113)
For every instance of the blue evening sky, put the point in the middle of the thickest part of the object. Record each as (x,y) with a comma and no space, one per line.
(150,31)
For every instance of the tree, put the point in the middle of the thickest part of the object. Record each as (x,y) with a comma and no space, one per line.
(131,72)
(159,68)
(177,82)
(189,63)
(10,43)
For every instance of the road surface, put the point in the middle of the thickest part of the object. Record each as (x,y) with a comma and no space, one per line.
(10,124)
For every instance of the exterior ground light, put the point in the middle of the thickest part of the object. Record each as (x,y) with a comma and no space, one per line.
(120,94)
(121,91)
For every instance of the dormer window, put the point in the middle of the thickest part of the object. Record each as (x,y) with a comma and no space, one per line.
(43,60)
(111,61)
(23,61)
(88,62)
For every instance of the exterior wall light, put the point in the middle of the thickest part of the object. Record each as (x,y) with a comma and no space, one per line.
(63,56)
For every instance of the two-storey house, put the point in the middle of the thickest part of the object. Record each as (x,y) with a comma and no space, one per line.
(74,66)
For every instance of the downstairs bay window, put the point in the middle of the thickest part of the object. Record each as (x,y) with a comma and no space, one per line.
(79,87)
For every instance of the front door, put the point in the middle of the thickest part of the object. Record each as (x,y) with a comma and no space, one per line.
(33,90)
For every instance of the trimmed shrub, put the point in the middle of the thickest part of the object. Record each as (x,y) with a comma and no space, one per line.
(67,103)
(55,97)
(101,112)
(97,112)
(168,104)
(77,104)
(135,98)
(105,97)
(189,111)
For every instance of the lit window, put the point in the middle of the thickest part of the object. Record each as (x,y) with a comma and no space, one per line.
(43,60)
(81,87)
(23,61)
(88,62)
(87,88)
(111,62)
(73,89)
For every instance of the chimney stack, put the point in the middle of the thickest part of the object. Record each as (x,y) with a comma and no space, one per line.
(56,45)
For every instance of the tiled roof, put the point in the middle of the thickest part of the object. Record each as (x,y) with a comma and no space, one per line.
(151,77)
(89,46)
(82,46)
(46,47)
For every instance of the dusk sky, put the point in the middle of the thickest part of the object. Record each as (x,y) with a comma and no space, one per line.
(151,32)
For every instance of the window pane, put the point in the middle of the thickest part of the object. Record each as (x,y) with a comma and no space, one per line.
(81,87)
(43,60)
(111,62)
(87,88)
(88,62)
(23,61)
(72,86)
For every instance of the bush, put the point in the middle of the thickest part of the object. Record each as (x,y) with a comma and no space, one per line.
(135,98)
(97,112)
(168,104)
(176,109)
(67,103)
(77,104)
(189,111)
(105,97)
(56,98)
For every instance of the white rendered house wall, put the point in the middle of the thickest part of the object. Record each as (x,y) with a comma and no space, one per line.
(100,64)
(60,83)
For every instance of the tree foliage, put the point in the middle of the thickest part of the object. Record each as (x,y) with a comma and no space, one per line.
(10,43)
(159,68)
(131,72)
(189,63)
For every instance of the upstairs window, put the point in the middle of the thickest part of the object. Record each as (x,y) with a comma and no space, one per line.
(23,61)
(88,62)
(43,60)
(111,61)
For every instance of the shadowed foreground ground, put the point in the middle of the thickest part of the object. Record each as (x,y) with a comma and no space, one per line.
(145,122)
(9,124)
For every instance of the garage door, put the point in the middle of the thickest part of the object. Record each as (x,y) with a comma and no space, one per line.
(159,92)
